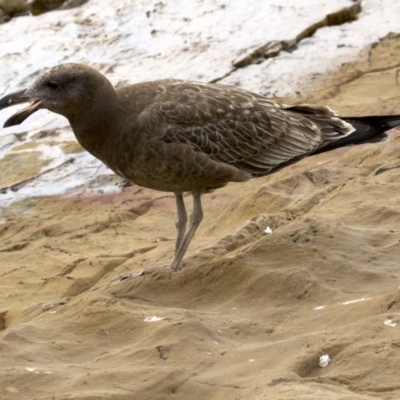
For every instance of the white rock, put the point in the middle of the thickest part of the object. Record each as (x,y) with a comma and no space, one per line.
(324,360)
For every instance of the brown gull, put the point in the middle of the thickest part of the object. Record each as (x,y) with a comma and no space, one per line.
(179,136)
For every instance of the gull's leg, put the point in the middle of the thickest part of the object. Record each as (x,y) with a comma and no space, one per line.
(183,240)
(181,220)
(194,222)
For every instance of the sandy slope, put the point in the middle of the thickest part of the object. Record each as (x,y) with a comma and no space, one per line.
(239,322)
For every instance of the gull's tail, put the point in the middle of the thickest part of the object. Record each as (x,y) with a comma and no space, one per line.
(367,130)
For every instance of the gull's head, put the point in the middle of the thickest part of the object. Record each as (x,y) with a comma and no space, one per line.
(68,89)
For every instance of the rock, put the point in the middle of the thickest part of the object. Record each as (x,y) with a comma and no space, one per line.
(72,4)
(14,7)
(42,6)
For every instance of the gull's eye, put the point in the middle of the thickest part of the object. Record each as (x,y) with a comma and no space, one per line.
(53,85)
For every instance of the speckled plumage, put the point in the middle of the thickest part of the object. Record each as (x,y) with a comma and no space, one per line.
(180,136)
(207,135)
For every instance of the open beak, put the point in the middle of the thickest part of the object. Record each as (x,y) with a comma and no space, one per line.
(17,98)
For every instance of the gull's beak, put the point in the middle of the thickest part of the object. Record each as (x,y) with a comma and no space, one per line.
(17,98)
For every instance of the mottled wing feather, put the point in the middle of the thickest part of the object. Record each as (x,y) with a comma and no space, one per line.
(331,126)
(242,129)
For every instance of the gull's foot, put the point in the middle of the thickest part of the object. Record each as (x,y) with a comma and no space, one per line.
(176,266)
(143,272)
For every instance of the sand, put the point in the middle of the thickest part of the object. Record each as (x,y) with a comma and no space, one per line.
(251,313)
